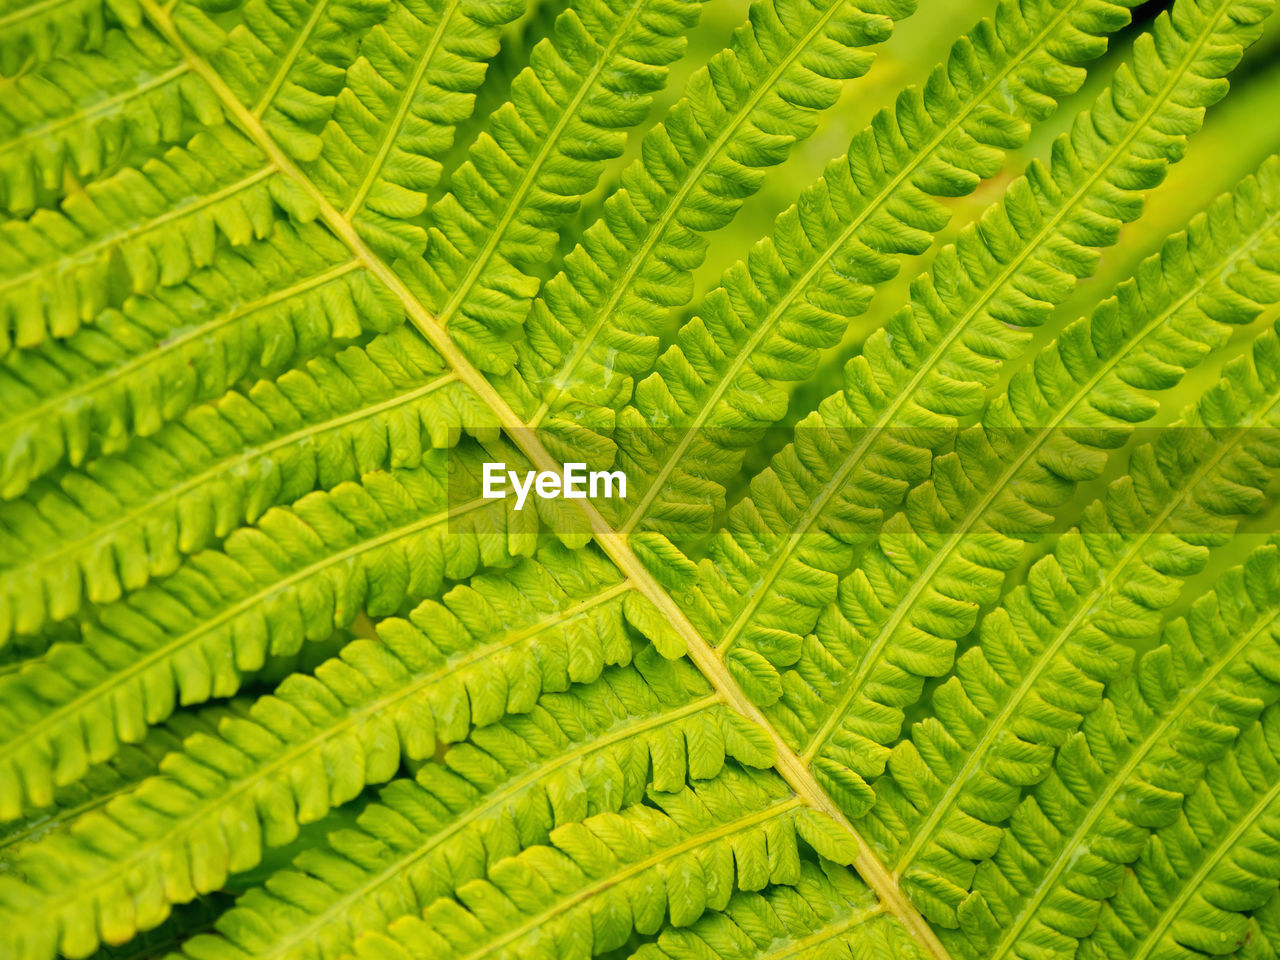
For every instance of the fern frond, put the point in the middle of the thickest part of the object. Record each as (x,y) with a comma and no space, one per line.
(718,385)
(301,573)
(1263,937)
(390,112)
(584,892)
(777,564)
(486,650)
(741,114)
(946,556)
(1188,893)
(161,221)
(287,59)
(1047,650)
(828,913)
(273,290)
(1131,767)
(617,550)
(105,781)
(590,749)
(35,31)
(125,520)
(77,114)
(537,156)
(252,312)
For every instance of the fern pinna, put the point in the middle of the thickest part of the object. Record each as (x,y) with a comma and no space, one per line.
(938,616)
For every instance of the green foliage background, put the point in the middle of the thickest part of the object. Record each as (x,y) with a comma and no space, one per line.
(268,690)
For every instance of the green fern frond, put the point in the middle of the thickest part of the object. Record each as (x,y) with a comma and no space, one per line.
(146,363)
(1047,650)
(76,115)
(1197,878)
(968,671)
(741,113)
(127,519)
(163,220)
(389,105)
(288,59)
(946,556)
(598,880)
(777,564)
(35,31)
(827,913)
(591,749)
(102,782)
(1131,766)
(1052,429)
(798,291)
(300,574)
(539,154)
(487,650)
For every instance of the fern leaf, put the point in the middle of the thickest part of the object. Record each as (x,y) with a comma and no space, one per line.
(1049,648)
(274,288)
(1196,879)
(222,465)
(389,104)
(584,892)
(286,60)
(289,61)
(161,220)
(741,113)
(937,563)
(1131,767)
(828,912)
(591,749)
(105,781)
(146,363)
(486,650)
(300,574)
(778,562)
(35,32)
(539,154)
(77,113)
(718,385)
